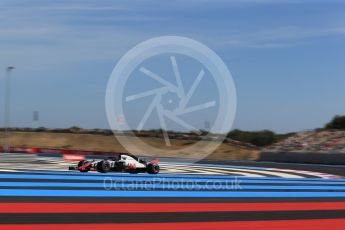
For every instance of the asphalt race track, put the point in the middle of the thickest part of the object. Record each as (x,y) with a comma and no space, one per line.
(39,193)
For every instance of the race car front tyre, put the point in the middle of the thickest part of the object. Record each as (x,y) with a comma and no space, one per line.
(103,166)
(84,166)
(152,168)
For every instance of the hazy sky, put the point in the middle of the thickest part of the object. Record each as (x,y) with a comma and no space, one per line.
(286,58)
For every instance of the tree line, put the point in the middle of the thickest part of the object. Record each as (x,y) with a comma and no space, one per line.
(258,138)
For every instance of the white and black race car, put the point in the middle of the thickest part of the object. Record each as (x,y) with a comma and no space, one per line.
(118,163)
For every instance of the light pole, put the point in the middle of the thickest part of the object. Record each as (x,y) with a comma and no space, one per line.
(7,107)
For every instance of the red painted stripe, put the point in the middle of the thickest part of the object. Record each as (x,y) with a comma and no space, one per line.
(325,224)
(164,207)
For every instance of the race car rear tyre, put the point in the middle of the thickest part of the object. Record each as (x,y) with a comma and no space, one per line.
(103,166)
(152,168)
(83,169)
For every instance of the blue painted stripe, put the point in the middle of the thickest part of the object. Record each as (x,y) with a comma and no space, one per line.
(102,193)
(229,161)
(130,175)
(92,175)
(218,166)
(165,186)
(279,163)
(243,167)
(120,179)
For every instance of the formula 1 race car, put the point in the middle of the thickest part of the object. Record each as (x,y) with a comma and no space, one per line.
(119,163)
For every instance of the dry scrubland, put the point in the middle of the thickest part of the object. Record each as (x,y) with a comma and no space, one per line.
(94,142)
